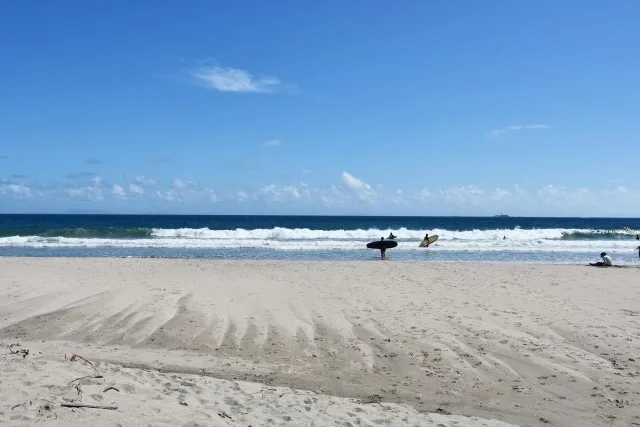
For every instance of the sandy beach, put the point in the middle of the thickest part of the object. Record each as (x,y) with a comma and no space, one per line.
(190,342)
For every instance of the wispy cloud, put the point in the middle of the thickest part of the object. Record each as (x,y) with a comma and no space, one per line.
(497,132)
(227,79)
(93,161)
(4,157)
(273,143)
(19,176)
(143,180)
(307,171)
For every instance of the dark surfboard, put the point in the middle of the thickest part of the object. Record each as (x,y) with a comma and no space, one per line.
(379,244)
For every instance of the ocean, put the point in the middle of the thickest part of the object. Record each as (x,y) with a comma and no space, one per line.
(462,239)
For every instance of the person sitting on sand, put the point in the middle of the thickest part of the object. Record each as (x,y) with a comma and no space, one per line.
(391,236)
(606,261)
(382,249)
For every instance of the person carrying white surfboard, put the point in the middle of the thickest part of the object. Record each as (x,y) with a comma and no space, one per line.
(428,240)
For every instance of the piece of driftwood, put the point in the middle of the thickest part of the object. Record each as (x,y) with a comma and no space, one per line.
(88,376)
(23,351)
(85,405)
(75,357)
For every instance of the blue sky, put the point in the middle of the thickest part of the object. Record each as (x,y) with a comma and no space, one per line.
(359,107)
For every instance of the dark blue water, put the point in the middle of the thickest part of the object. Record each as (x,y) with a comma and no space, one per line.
(573,240)
(31,225)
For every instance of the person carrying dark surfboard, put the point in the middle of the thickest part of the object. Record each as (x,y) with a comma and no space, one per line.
(383,249)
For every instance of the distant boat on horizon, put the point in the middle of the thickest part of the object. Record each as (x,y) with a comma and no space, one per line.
(501,216)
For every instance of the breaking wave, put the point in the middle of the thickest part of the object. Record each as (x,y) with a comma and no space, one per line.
(516,239)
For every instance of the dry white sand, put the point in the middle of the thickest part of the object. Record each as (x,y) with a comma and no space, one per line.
(235,343)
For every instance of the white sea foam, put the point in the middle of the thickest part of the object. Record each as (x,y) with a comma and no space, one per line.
(279,233)
(517,240)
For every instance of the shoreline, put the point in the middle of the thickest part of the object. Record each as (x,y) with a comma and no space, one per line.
(338,261)
(506,341)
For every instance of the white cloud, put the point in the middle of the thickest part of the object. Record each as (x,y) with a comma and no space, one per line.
(169,195)
(274,193)
(358,187)
(307,171)
(305,191)
(91,193)
(136,189)
(462,195)
(550,192)
(15,190)
(271,192)
(500,194)
(348,193)
(558,195)
(147,182)
(227,79)
(172,195)
(497,132)
(210,195)
(273,143)
(292,191)
(118,191)
(178,184)
(241,196)
(621,190)
(425,194)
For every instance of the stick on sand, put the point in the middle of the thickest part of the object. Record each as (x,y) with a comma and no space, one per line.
(84,405)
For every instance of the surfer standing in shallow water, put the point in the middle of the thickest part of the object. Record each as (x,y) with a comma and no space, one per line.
(382,249)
